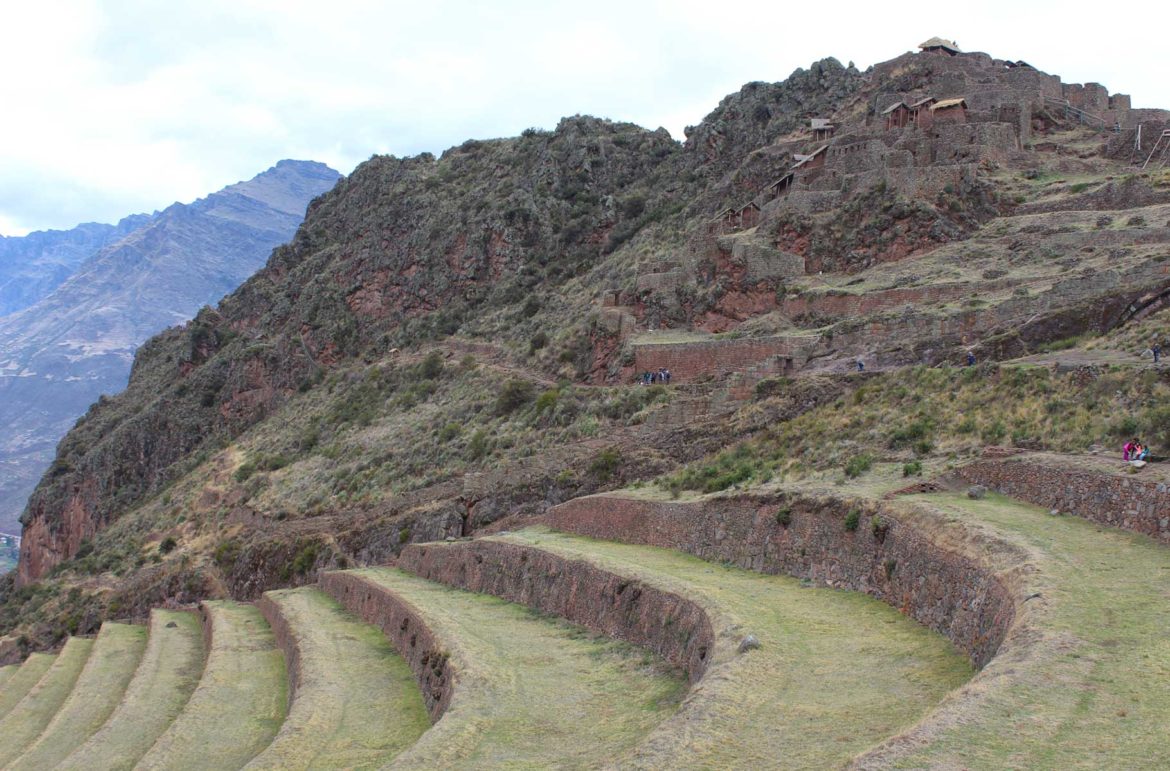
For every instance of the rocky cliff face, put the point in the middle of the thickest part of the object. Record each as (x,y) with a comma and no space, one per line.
(402,249)
(77,342)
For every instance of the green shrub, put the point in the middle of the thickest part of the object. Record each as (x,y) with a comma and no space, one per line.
(913,432)
(912,469)
(431,367)
(227,553)
(852,520)
(450,431)
(547,400)
(890,566)
(167,545)
(858,465)
(514,395)
(994,433)
(478,446)
(605,463)
(538,341)
(246,470)
(879,526)
(404,535)
(784,516)
(305,560)
(1125,427)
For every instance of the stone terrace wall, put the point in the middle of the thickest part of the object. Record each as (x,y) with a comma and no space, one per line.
(286,641)
(842,305)
(404,628)
(691,361)
(676,628)
(949,592)
(1124,501)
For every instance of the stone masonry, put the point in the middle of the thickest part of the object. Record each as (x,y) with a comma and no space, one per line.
(704,358)
(1120,500)
(806,537)
(676,628)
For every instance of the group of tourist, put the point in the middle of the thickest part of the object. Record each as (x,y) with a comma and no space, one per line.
(1134,450)
(661,376)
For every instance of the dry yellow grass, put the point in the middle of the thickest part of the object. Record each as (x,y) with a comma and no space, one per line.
(115,655)
(239,703)
(357,705)
(1089,689)
(836,672)
(166,676)
(24,723)
(530,692)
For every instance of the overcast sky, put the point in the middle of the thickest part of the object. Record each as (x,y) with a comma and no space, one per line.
(113,107)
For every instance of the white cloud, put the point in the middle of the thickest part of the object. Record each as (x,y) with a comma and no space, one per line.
(127,105)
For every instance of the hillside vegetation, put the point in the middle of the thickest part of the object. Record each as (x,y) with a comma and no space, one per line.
(449,342)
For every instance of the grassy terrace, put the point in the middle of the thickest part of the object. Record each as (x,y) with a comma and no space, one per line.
(1093,692)
(115,655)
(239,703)
(166,676)
(531,692)
(21,681)
(24,723)
(357,704)
(836,672)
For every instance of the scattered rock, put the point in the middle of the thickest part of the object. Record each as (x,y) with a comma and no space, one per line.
(1054,512)
(749,643)
(977,492)
(171,625)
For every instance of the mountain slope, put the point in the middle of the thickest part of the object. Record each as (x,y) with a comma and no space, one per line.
(32,266)
(58,355)
(450,341)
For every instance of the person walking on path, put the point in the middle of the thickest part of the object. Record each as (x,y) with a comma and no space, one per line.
(970,358)
(860,365)
(1157,351)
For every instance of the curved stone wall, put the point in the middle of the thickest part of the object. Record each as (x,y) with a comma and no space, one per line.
(405,629)
(1121,500)
(807,537)
(674,627)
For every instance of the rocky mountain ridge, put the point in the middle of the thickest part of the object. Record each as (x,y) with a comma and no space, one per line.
(32,266)
(447,342)
(77,342)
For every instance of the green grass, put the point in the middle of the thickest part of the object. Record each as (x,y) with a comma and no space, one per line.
(7,672)
(925,413)
(115,655)
(239,703)
(836,672)
(24,723)
(357,704)
(22,680)
(531,692)
(1092,692)
(166,676)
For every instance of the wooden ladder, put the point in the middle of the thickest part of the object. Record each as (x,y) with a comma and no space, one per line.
(1162,141)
